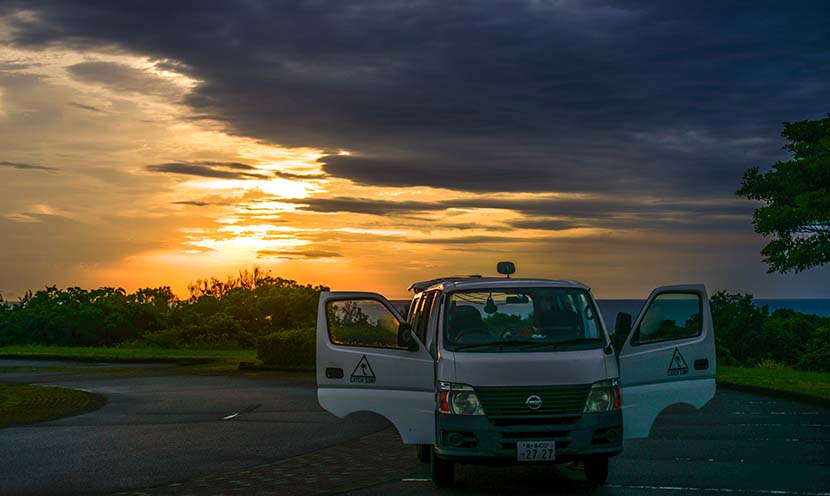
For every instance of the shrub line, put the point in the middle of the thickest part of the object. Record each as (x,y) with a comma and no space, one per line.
(776,393)
(248,366)
(93,359)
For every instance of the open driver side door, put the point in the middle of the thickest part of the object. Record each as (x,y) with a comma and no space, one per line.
(668,357)
(368,359)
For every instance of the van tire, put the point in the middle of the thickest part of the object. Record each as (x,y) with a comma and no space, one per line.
(423,452)
(596,470)
(442,471)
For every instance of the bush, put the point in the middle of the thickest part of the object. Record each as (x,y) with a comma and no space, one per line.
(770,365)
(748,335)
(294,348)
(817,356)
(167,338)
(231,314)
(737,322)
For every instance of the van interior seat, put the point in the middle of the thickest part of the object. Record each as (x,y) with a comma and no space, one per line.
(559,324)
(465,318)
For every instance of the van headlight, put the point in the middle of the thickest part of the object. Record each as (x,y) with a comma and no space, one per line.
(604,396)
(458,399)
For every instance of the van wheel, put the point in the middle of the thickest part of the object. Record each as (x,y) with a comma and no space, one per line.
(423,452)
(596,470)
(442,471)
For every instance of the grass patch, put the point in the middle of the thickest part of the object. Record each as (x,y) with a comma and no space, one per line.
(186,360)
(784,379)
(24,403)
(126,355)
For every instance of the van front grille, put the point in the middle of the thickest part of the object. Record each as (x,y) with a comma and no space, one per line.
(556,401)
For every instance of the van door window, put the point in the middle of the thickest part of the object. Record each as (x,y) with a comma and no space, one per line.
(412,308)
(365,323)
(434,316)
(670,316)
(423,316)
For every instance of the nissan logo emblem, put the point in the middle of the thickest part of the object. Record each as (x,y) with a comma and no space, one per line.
(533,402)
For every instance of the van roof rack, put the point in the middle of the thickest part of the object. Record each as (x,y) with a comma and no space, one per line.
(420,286)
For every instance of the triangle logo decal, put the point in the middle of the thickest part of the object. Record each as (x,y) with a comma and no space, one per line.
(678,365)
(363,373)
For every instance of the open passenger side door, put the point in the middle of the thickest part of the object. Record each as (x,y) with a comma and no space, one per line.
(668,357)
(368,359)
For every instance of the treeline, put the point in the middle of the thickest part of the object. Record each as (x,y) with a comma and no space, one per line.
(278,316)
(751,335)
(219,314)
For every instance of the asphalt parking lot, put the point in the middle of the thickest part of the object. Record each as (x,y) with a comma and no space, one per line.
(160,429)
(740,443)
(235,435)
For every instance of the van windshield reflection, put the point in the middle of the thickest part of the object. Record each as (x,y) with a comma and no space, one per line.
(522,319)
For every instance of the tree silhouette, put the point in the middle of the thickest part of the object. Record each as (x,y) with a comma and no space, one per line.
(797,197)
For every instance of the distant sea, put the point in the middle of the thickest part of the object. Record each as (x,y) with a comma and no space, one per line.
(817,306)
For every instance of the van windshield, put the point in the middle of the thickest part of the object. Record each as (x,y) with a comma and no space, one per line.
(522,319)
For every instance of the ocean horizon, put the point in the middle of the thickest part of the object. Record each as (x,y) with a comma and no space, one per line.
(816,306)
(610,307)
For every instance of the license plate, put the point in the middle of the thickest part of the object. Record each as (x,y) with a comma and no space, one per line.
(535,451)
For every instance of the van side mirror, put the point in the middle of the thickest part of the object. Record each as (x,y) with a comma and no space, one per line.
(405,337)
(622,327)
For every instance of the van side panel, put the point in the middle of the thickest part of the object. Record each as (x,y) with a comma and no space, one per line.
(411,412)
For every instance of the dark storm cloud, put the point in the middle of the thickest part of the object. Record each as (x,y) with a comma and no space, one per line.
(301,177)
(364,205)
(550,224)
(220,170)
(229,165)
(122,78)
(668,98)
(298,254)
(560,214)
(24,166)
(14,66)
(578,207)
(85,107)
(226,170)
(473,240)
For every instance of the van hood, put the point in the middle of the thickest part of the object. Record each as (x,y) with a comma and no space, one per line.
(525,369)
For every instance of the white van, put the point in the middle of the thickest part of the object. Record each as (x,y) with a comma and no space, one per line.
(501,370)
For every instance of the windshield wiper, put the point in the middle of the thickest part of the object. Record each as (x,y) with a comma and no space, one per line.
(512,342)
(532,346)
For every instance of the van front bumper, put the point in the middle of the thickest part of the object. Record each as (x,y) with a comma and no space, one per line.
(479,439)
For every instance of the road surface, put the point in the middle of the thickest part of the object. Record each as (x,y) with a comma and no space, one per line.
(158,430)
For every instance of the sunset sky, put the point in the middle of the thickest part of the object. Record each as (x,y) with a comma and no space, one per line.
(366,145)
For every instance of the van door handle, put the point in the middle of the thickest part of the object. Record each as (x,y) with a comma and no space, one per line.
(334,373)
(701,364)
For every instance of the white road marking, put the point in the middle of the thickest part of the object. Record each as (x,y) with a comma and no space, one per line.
(720,490)
(416,480)
(774,413)
(779,425)
(793,413)
(231,416)
(757,425)
(787,440)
